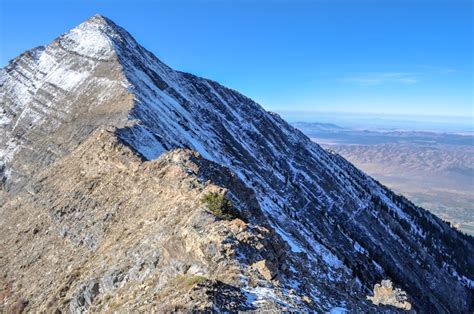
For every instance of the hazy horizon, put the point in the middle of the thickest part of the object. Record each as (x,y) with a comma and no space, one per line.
(378,121)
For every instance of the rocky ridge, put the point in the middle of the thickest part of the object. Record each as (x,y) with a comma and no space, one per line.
(102,230)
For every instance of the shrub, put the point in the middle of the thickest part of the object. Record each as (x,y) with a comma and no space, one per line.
(194,280)
(219,206)
(188,281)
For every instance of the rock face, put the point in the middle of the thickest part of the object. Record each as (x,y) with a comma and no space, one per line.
(385,294)
(106,153)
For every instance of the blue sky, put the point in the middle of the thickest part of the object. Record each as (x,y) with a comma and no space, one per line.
(405,57)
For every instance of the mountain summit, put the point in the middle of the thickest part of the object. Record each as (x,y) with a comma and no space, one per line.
(128,185)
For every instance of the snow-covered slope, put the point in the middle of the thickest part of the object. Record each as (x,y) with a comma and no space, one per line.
(346,228)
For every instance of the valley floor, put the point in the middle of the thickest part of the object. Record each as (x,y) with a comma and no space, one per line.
(436,178)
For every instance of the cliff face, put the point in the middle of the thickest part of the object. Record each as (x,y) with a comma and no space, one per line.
(124,202)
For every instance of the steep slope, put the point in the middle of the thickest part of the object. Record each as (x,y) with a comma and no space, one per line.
(344,227)
(52,97)
(101,230)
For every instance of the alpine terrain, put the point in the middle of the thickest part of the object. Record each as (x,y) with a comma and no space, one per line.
(127,185)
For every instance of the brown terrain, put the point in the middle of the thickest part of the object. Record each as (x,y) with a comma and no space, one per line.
(134,235)
(435,170)
(437,177)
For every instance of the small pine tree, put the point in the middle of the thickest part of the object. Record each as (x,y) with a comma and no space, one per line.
(219,206)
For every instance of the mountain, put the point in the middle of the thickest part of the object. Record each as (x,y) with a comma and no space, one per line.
(108,157)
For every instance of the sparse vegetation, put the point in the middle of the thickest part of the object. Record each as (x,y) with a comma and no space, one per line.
(194,280)
(188,281)
(219,206)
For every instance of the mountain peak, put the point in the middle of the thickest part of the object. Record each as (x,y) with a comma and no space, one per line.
(103,24)
(94,38)
(99,19)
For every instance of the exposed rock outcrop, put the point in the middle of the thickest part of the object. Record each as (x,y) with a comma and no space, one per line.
(385,294)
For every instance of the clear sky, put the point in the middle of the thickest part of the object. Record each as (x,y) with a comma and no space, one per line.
(411,57)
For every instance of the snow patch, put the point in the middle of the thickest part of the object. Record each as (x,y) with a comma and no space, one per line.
(90,40)
(338,310)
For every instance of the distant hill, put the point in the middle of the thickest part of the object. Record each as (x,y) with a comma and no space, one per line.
(436,170)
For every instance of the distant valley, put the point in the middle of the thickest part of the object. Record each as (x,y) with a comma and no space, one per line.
(434,170)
